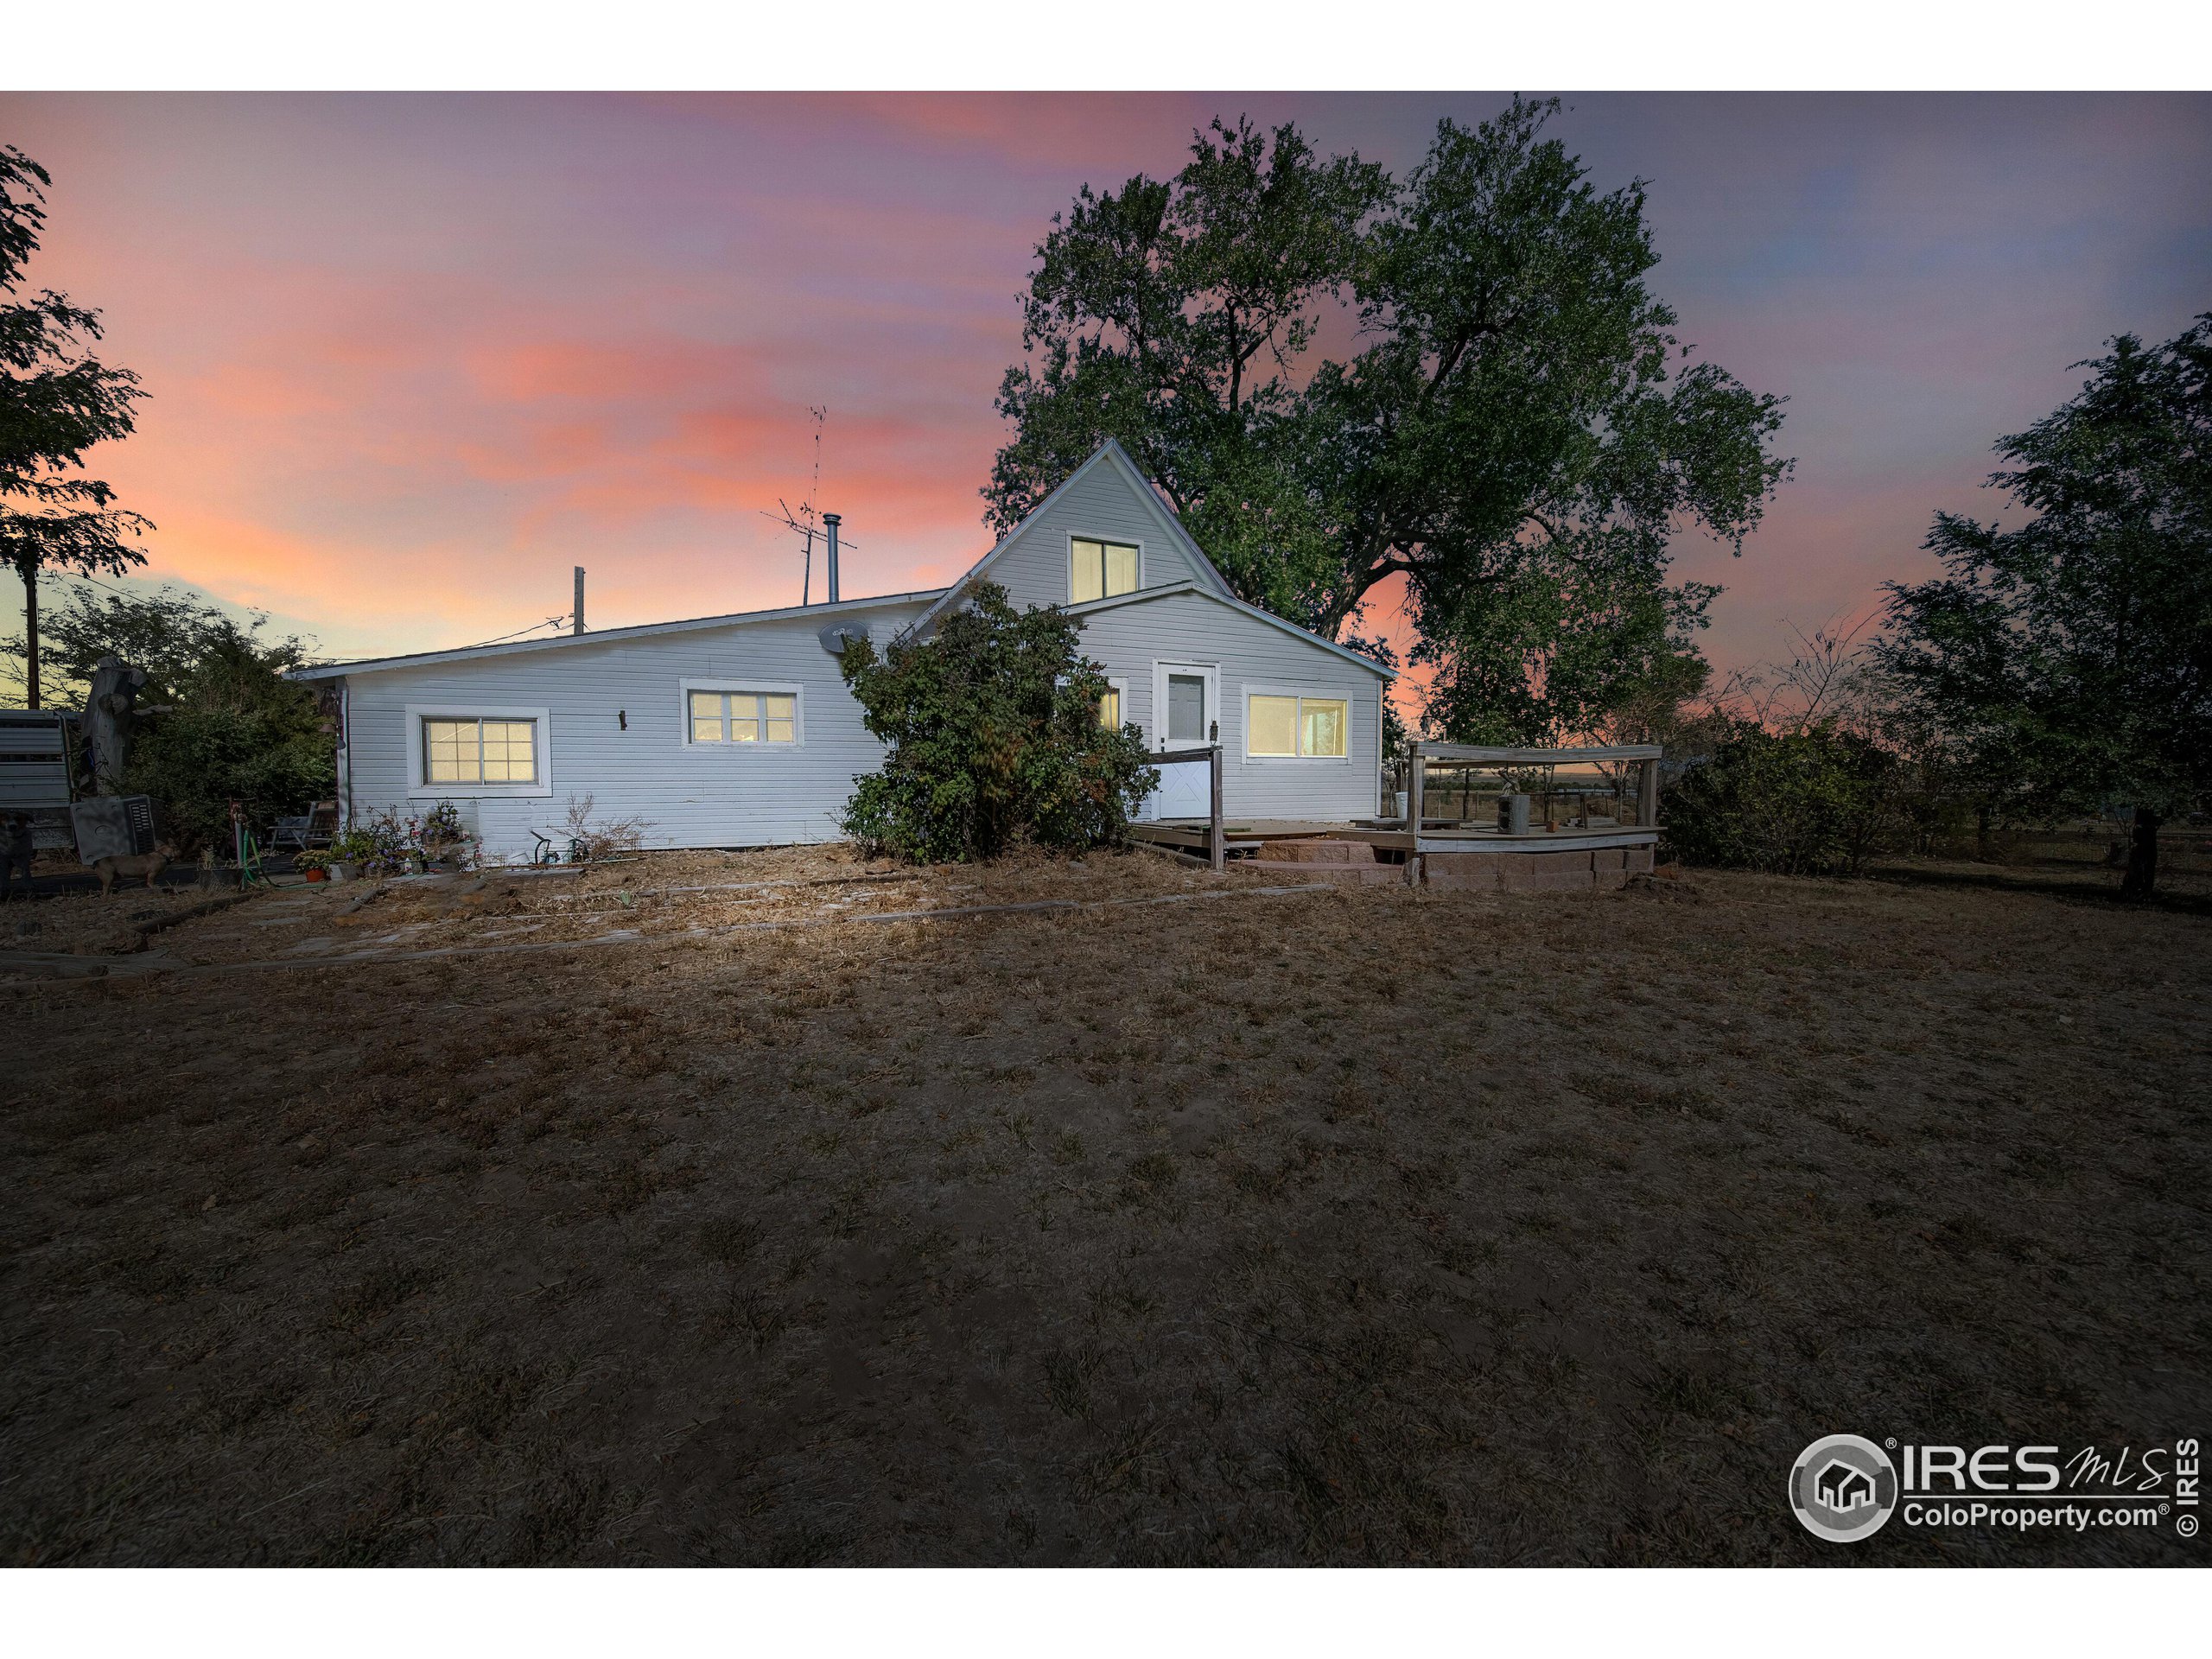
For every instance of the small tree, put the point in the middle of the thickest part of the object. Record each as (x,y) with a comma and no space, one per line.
(2074,654)
(56,402)
(994,739)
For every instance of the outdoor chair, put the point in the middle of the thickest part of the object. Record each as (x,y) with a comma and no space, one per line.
(313,828)
(290,832)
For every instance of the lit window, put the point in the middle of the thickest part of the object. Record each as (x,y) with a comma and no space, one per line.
(1321,727)
(479,751)
(1103,569)
(1109,709)
(1314,728)
(743,717)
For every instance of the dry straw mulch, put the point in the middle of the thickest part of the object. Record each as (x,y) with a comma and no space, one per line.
(1368,1225)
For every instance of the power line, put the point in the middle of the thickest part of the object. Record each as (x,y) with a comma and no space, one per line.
(549,622)
(124,593)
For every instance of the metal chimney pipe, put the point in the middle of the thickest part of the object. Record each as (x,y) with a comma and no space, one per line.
(577,621)
(831,520)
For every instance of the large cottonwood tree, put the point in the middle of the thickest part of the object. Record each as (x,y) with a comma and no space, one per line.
(1515,430)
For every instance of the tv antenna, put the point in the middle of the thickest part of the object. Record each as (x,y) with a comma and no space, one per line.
(810,522)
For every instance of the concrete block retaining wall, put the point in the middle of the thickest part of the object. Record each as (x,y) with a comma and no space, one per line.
(1576,872)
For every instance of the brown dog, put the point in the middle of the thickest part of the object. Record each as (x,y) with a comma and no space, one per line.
(148,865)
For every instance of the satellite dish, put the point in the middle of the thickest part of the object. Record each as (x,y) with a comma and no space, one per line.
(838,635)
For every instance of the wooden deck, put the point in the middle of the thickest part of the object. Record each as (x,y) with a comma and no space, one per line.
(1189,834)
(1439,851)
(1437,836)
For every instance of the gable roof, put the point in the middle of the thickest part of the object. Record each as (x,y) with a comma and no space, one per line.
(603,636)
(1110,454)
(1091,607)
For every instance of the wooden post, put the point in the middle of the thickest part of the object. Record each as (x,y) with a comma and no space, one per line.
(1416,773)
(1646,803)
(1217,840)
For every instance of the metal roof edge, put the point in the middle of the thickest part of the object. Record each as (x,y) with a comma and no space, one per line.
(600,636)
(1168,516)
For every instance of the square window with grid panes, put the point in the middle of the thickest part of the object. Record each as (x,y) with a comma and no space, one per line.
(476,751)
(755,717)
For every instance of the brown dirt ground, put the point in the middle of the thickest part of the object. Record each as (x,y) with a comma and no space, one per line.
(1363,1225)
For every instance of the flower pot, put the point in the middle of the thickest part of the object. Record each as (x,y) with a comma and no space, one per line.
(317,875)
(345,872)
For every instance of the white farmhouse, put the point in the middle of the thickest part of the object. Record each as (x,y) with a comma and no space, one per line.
(738,731)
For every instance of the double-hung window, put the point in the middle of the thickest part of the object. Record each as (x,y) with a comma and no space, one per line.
(1296,727)
(459,750)
(759,718)
(1101,570)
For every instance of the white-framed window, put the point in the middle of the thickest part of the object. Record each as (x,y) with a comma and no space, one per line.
(1113,707)
(1290,723)
(462,751)
(733,716)
(1101,569)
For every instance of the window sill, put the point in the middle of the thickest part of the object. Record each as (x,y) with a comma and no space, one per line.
(479,792)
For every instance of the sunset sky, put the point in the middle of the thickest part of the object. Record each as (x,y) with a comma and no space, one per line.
(411,358)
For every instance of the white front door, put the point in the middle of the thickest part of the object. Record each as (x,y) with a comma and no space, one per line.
(1187,714)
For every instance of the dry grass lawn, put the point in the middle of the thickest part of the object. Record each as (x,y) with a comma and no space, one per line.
(1369,1225)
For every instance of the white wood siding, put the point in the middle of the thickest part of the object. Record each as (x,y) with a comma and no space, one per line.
(1103,503)
(690,795)
(1189,627)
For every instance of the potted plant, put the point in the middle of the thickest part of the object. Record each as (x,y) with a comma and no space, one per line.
(442,838)
(350,850)
(314,866)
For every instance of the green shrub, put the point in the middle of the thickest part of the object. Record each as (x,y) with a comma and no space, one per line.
(995,739)
(1810,803)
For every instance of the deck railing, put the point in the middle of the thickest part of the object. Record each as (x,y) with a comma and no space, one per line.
(1216,843)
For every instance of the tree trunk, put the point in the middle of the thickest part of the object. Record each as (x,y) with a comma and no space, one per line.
(2142,877)
(29,573)
(1981,833)
(104,728)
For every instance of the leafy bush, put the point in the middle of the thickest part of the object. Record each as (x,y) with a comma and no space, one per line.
(383,843)
(268,752)
(1814,802)
(995,739)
